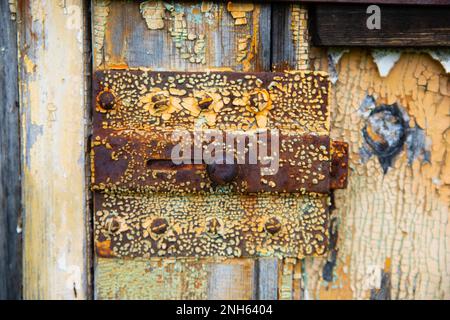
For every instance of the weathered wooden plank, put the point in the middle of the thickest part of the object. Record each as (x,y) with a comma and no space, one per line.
(369,2)
(290,50)
(290,37)
(233,37)
(181,36)
(232,279)
(392,231)
(267,271)
(416,26)
(53,120)
(10,189)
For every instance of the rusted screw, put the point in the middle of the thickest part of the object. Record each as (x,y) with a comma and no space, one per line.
(205,102)
(107,100)
(213,226)
(159,225)
(221,173)
(272,225)
(113,225)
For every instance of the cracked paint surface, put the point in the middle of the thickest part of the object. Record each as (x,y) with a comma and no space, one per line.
(394,228)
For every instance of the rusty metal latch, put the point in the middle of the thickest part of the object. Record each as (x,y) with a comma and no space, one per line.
(140,119)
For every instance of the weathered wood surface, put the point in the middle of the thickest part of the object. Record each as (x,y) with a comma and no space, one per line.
(369,2)
(391,231)
(10,190)
(415,26)
(244,47)
(53,120)
(223,45)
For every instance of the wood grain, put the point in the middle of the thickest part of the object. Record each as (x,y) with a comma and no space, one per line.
(415,26)
(53,120)
(393,228)
(10,189)
(242,47)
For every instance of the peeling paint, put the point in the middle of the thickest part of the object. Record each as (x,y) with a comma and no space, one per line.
(190,45)
(238,11)
(300,36)
(334,55)
(443,56)
(418,145)
(385,60)
(101,12)
(13,9)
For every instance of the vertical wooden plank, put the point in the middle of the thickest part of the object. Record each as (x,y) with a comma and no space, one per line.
(52,96)
(232,279)
(267,270)
(192,36)
(290,50)
(10,233)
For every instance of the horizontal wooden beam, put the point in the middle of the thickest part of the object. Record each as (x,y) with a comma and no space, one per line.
(53,118)
(416,26)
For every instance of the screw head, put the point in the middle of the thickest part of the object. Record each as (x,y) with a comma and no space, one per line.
(213,226)
(160,101)
(113,225)
(258,101)
(159,226)
(106,100)
(272,225)
(205,102)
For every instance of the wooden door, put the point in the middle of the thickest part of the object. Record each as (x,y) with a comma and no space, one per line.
(389,231)
(198,36)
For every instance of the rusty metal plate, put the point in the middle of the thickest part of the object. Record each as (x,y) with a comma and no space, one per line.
(140,161)
(149,100)
(223,225)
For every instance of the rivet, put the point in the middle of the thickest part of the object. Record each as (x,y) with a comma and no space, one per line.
(213,226)
(272,225)
(112,225)
(107,100)
(159,225)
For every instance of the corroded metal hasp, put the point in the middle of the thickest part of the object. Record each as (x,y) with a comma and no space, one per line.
(148,205)
(140,161)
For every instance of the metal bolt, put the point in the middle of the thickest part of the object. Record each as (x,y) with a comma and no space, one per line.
(272,225)
(107,100)
(205,102)
(159,225)
(213,226)
(258,101)
(221,173)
